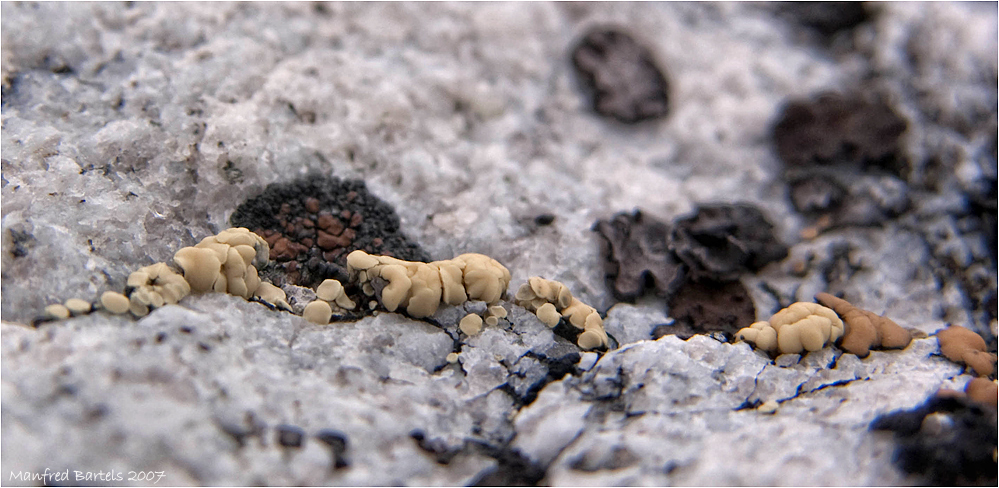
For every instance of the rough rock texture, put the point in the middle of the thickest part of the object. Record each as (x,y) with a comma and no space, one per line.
(130,130)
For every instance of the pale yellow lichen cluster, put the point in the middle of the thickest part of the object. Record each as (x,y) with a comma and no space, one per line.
(803,326)
(329,294)
(154,286)
(420,288)
(225,263)
(552,301)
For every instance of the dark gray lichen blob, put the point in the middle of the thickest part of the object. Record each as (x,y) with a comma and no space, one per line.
(708,306)
(841,129)
(719,242)
(620,76)
(312,223)
(633,249)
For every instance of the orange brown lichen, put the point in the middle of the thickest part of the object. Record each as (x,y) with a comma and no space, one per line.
(865,329)
(964,346)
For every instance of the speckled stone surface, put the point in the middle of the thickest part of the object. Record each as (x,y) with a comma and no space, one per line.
(132,130)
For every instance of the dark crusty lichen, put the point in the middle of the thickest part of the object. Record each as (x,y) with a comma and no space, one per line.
(825,18)
(312,223)
(841,129)
(722,241)
(636,257)
(703,307)
(620,76)
(951,441)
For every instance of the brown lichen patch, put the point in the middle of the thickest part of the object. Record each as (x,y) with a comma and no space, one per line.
(635,256)
(835,129)
(708,306)
(721,241)
(966,347)
(865,329)
(620,76)
(312,223)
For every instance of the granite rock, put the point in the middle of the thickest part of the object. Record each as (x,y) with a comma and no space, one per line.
(131,130)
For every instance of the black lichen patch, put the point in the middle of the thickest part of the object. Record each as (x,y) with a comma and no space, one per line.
(719,242)
(21,242)
(703,307)
(512,467)
(636,258)
(825,18)
(311,224)
(336,441)
(289,436)
(620,76)
(950,441)
(841,129)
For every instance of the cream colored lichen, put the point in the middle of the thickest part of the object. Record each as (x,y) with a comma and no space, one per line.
(471,324)
(801,327)
(318,312)
(56,311)
(154,286)
(78,306)
(237,252)
(272,296)
(334,293)
(420,288)
(552,301)
(114,302)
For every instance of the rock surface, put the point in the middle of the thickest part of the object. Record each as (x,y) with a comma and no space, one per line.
(132,130)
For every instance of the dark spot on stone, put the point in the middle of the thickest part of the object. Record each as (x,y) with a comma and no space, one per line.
(620,76)
(312,252)
(814,194)
(721,241)
(636,258)
(21,242)
(950,441)
(544,219)
(204,347)
(703,307)
(185,329)
(512,467)
(289,436)
(337,442)
(440,450)
(841,129)
(232,174)
(160,337)
(825,18)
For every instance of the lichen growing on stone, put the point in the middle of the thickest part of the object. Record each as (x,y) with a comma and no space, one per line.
(801,327)
(722,241)
(966,347)
(552,301)
(421,287)
(708,306)
(312,224)
(865,329)
(847,129)
(635,256)
(621,76)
